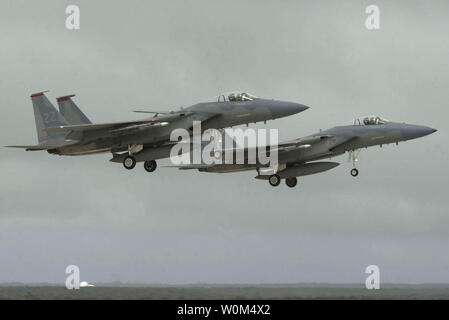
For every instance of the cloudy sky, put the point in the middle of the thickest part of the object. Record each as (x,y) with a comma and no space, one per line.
(188,227)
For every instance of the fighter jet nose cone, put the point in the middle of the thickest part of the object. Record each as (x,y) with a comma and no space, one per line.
(302,107)
(419,131)
(283,108)
(427,130)
(296,107)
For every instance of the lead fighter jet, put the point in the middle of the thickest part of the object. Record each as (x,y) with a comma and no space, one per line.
(299,157)
(71,132)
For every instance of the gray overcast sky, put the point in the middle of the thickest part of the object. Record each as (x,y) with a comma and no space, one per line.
(184,227)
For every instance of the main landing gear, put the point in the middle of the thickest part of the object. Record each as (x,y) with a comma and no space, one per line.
(150,165)
(129,162)
(275,180)
(291,182)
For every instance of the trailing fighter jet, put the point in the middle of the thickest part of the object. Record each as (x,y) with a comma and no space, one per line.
(299,157)
(71,132)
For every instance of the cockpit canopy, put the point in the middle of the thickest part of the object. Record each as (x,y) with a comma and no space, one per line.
(370,120)
(241,96)
(233,96)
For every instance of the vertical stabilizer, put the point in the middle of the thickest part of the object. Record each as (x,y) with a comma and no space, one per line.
(46,116)
(70,111)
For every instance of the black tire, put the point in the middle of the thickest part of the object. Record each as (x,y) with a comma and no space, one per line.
(129,162)
(354,172)
(150,165)
(291,182)
(274,180)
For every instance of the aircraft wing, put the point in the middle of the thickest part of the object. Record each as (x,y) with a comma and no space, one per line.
(304,141)
(282,147)
(116,127)
(90,127)
(308,141)
(152,112)
(76,132)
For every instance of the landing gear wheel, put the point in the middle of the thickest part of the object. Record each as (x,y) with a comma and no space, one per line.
(129,162)
(354,172)
(274,180)
(150,165)
(291,182)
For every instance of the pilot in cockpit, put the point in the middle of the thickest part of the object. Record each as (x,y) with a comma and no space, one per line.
(240,97)
(370,120)
(374,120)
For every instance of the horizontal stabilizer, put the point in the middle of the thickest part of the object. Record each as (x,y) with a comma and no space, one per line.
(39,147)
(31,148)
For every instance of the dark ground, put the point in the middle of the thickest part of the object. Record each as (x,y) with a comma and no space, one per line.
(294,291)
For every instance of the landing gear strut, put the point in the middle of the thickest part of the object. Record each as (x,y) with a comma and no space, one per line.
(353,155)
(150,165)
(129,162)
(291,182)
(274,180)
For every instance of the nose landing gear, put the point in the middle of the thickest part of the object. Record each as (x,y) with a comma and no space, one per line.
(353,155)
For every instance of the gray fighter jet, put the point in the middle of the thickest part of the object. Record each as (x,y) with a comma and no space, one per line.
(299,157)
(71,132)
